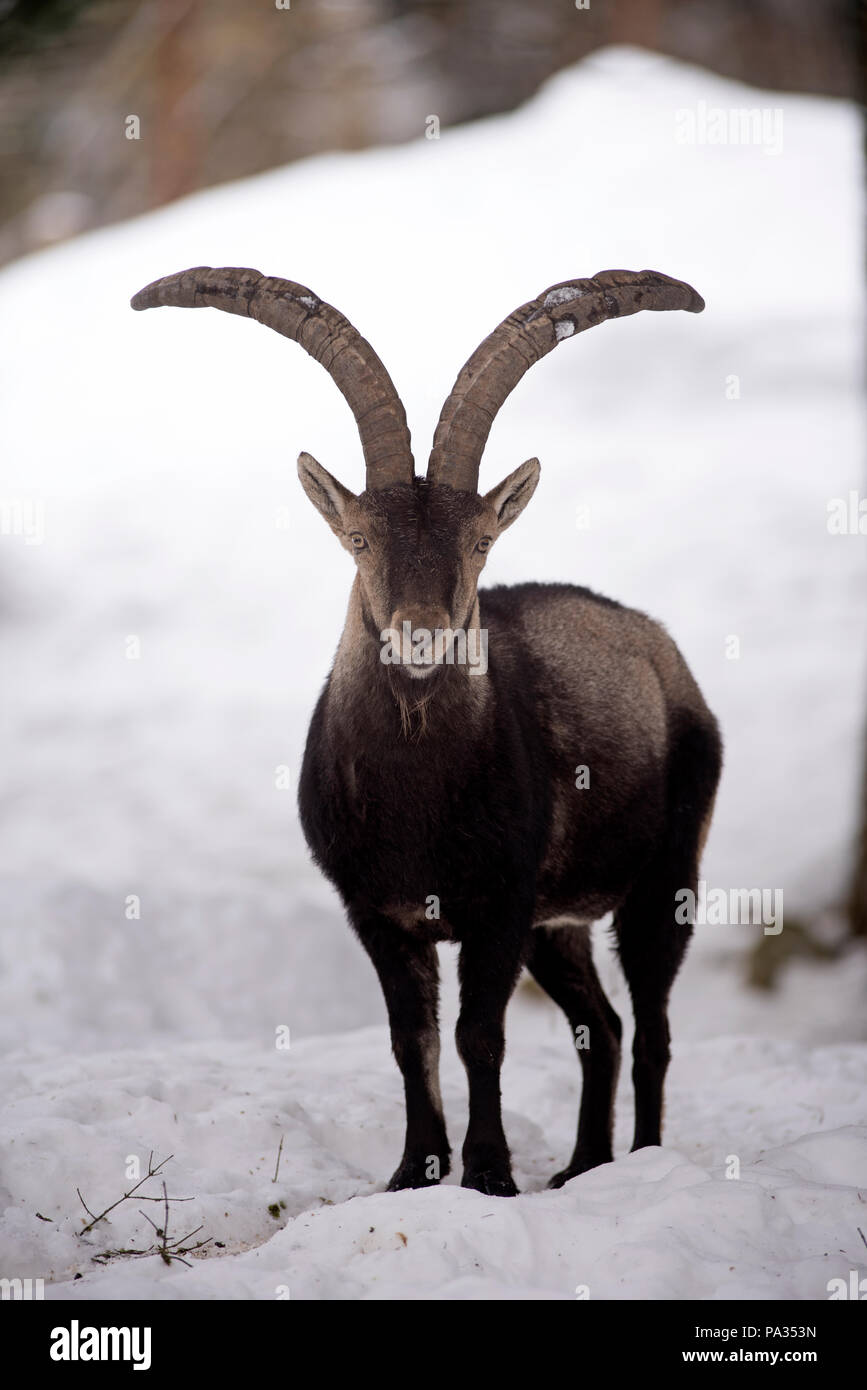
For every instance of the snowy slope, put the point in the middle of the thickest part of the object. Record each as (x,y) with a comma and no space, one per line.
(662,1223)
(161,449)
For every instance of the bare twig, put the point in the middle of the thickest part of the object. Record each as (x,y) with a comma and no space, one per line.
(150,1223)
(168,1248)
(279,1152)
(86,1207)
(151,1173)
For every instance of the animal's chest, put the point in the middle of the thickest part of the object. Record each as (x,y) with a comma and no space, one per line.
(412,806)
(415,828)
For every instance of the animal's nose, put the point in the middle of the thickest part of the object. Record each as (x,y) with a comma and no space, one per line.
(420,617)
(420,629)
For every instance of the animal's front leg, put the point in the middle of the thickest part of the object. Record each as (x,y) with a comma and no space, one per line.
(488,973)
(409,974)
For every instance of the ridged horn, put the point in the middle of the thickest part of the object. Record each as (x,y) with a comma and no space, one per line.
(528,334)
(321,330)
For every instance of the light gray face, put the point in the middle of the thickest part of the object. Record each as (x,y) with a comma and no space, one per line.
(419,549)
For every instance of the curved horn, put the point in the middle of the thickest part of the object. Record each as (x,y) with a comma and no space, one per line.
(531,332)
(322,331)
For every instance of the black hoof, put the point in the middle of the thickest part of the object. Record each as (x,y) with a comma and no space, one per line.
(419,1172)
(491,1184)
(577,1166)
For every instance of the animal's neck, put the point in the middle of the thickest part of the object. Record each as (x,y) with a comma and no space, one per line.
(367,690)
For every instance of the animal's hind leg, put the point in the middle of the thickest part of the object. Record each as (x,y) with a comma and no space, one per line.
(561,960)
(654,924)
(651,946)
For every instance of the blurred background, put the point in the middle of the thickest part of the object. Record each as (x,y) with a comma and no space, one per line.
(224,90)
(169,604)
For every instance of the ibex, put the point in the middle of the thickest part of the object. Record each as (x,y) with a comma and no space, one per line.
(442,799)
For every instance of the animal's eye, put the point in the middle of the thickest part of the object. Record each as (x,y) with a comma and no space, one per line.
(484,544)
(358,541)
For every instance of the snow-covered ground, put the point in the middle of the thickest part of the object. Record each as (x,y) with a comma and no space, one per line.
(661,1223)
(154,455)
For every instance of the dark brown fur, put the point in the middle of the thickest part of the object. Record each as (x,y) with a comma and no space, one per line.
(443,804)
(461,789)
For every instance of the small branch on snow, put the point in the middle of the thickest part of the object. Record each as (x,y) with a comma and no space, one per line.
(151,1173)
(279,1152)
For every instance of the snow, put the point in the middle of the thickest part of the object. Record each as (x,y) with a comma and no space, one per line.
(563,294)
(661,1223)
(158,451)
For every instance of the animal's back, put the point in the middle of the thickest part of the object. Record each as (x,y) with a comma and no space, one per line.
(595,649)
(615,697)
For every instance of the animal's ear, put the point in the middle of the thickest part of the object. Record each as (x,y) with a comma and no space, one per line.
(510,497)
(328,496)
